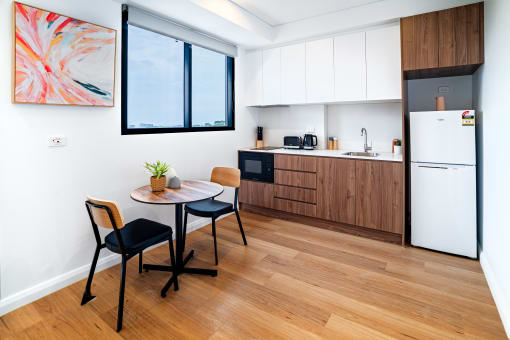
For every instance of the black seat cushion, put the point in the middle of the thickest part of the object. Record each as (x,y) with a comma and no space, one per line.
(138,235)
(209,208)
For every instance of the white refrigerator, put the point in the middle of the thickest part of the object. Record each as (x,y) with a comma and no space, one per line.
(443,181)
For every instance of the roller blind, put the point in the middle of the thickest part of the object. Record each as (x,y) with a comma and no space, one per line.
(146,20)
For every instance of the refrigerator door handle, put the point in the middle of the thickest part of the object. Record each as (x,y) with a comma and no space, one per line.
(433,167)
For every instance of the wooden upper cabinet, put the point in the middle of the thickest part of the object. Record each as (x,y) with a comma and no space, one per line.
(461,36)
(419,35)
(336,187)
(448,38)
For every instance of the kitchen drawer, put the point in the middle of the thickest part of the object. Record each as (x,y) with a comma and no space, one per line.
(295,194)
(295,178)
(297,163)
(299,208)
(256,193)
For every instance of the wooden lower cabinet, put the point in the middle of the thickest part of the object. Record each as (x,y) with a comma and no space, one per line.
(295,194)
(336,188)
(295,207)
(379,195)
(295,179)
(256,193)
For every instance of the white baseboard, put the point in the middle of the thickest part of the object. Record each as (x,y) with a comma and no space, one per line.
(497,292)
(42,289)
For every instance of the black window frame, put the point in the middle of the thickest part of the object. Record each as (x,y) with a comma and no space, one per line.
(187,109)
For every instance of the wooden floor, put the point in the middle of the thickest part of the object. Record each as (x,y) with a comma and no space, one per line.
(291,282)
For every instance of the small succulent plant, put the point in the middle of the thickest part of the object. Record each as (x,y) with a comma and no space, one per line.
(157,169)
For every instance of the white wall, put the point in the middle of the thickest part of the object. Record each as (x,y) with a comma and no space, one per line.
(45,235)
(422,93)
(491,90)
(292,121)
(383,123)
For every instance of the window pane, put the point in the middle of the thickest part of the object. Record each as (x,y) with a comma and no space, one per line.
(155,80)
(208,87)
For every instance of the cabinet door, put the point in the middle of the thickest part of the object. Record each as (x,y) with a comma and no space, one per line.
(320,80)
(253,78)
(383,64)
(293,74)
(271,76)
(426,40)
(368,194)
(256,193)
(392,197)
(460,36)
(350,67)
(336,187)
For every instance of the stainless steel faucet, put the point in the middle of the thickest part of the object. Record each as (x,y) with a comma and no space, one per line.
(364,133)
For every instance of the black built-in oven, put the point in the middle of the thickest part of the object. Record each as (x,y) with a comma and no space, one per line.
(257,166)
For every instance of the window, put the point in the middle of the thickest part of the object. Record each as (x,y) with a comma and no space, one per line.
(173,86)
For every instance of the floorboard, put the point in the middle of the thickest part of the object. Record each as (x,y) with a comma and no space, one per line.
(292,281)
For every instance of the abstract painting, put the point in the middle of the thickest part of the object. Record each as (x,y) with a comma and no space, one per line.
(61,60)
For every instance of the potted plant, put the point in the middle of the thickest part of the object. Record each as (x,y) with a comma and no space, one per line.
(398,147)
(158,171)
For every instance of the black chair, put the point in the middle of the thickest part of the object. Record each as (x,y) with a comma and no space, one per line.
(212,208)
(127,240)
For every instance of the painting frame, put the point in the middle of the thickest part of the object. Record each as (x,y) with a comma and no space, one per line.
(14,64)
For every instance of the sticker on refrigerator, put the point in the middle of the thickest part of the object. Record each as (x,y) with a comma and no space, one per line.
(468,118)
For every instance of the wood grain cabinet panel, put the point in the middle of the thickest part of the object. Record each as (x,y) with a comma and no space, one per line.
(295,194)
(408,43)
(336,188)
(368,194)
(298,163)
(450,40)
(256,193)
(379,195)
(460,36)
(392,176)
(426,37)
(294,207)
(295,179)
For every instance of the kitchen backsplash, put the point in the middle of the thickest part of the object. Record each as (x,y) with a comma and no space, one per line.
(382,121)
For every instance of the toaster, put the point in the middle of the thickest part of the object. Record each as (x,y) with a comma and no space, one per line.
(292,142)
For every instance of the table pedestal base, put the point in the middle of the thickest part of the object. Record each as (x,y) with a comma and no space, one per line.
(179,271)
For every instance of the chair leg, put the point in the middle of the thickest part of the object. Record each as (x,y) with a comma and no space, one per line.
(214,236)
(87,296)
(140,262)
(241,227)
(185,227)
(121,294)
(173,263)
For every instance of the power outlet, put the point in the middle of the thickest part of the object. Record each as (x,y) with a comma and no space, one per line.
(57,141)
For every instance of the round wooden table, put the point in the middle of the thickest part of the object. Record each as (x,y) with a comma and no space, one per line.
(190,191)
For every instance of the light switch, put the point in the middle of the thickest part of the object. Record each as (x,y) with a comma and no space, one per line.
(57,141)
(443,89)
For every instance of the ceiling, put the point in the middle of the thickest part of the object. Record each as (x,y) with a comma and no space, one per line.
(280,12)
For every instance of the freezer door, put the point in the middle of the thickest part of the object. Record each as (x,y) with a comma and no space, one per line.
(442,137)
(443,208)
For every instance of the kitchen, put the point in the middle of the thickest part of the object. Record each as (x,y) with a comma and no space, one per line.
(276,169)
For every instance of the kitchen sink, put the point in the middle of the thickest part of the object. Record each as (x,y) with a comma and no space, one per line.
(362,154)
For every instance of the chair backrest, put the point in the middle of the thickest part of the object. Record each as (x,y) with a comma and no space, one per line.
(100,215)
(229,177)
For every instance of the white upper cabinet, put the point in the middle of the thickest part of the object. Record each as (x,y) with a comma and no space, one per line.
(384,64)
(253,78)
(271,76)
(350,68)
(293,74)
(320,73)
